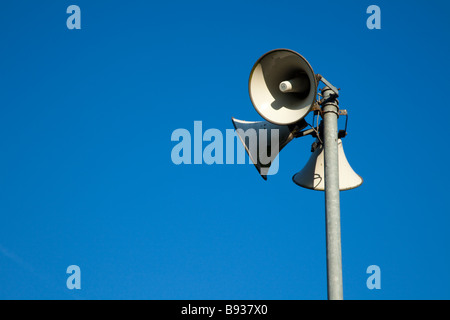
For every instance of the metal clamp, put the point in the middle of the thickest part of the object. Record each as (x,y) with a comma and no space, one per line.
(319,77)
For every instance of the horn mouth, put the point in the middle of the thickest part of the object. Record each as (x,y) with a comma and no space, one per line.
(255,163)
(312,176)
(276,67)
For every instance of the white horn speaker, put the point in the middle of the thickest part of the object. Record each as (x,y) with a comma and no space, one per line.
(312,175)
(282,86)
(263,141)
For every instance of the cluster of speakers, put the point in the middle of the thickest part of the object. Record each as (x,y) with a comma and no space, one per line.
(283,90)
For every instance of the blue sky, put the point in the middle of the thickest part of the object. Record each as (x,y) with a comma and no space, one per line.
(86,176)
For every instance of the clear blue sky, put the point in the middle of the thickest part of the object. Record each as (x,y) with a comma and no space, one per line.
(86,176)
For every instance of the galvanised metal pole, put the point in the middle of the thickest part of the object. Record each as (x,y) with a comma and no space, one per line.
(330,112)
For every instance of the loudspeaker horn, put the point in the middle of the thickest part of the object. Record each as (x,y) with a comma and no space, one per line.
(282,86)
(263,140)
(312,175)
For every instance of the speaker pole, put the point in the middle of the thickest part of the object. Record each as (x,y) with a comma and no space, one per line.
(330,111)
